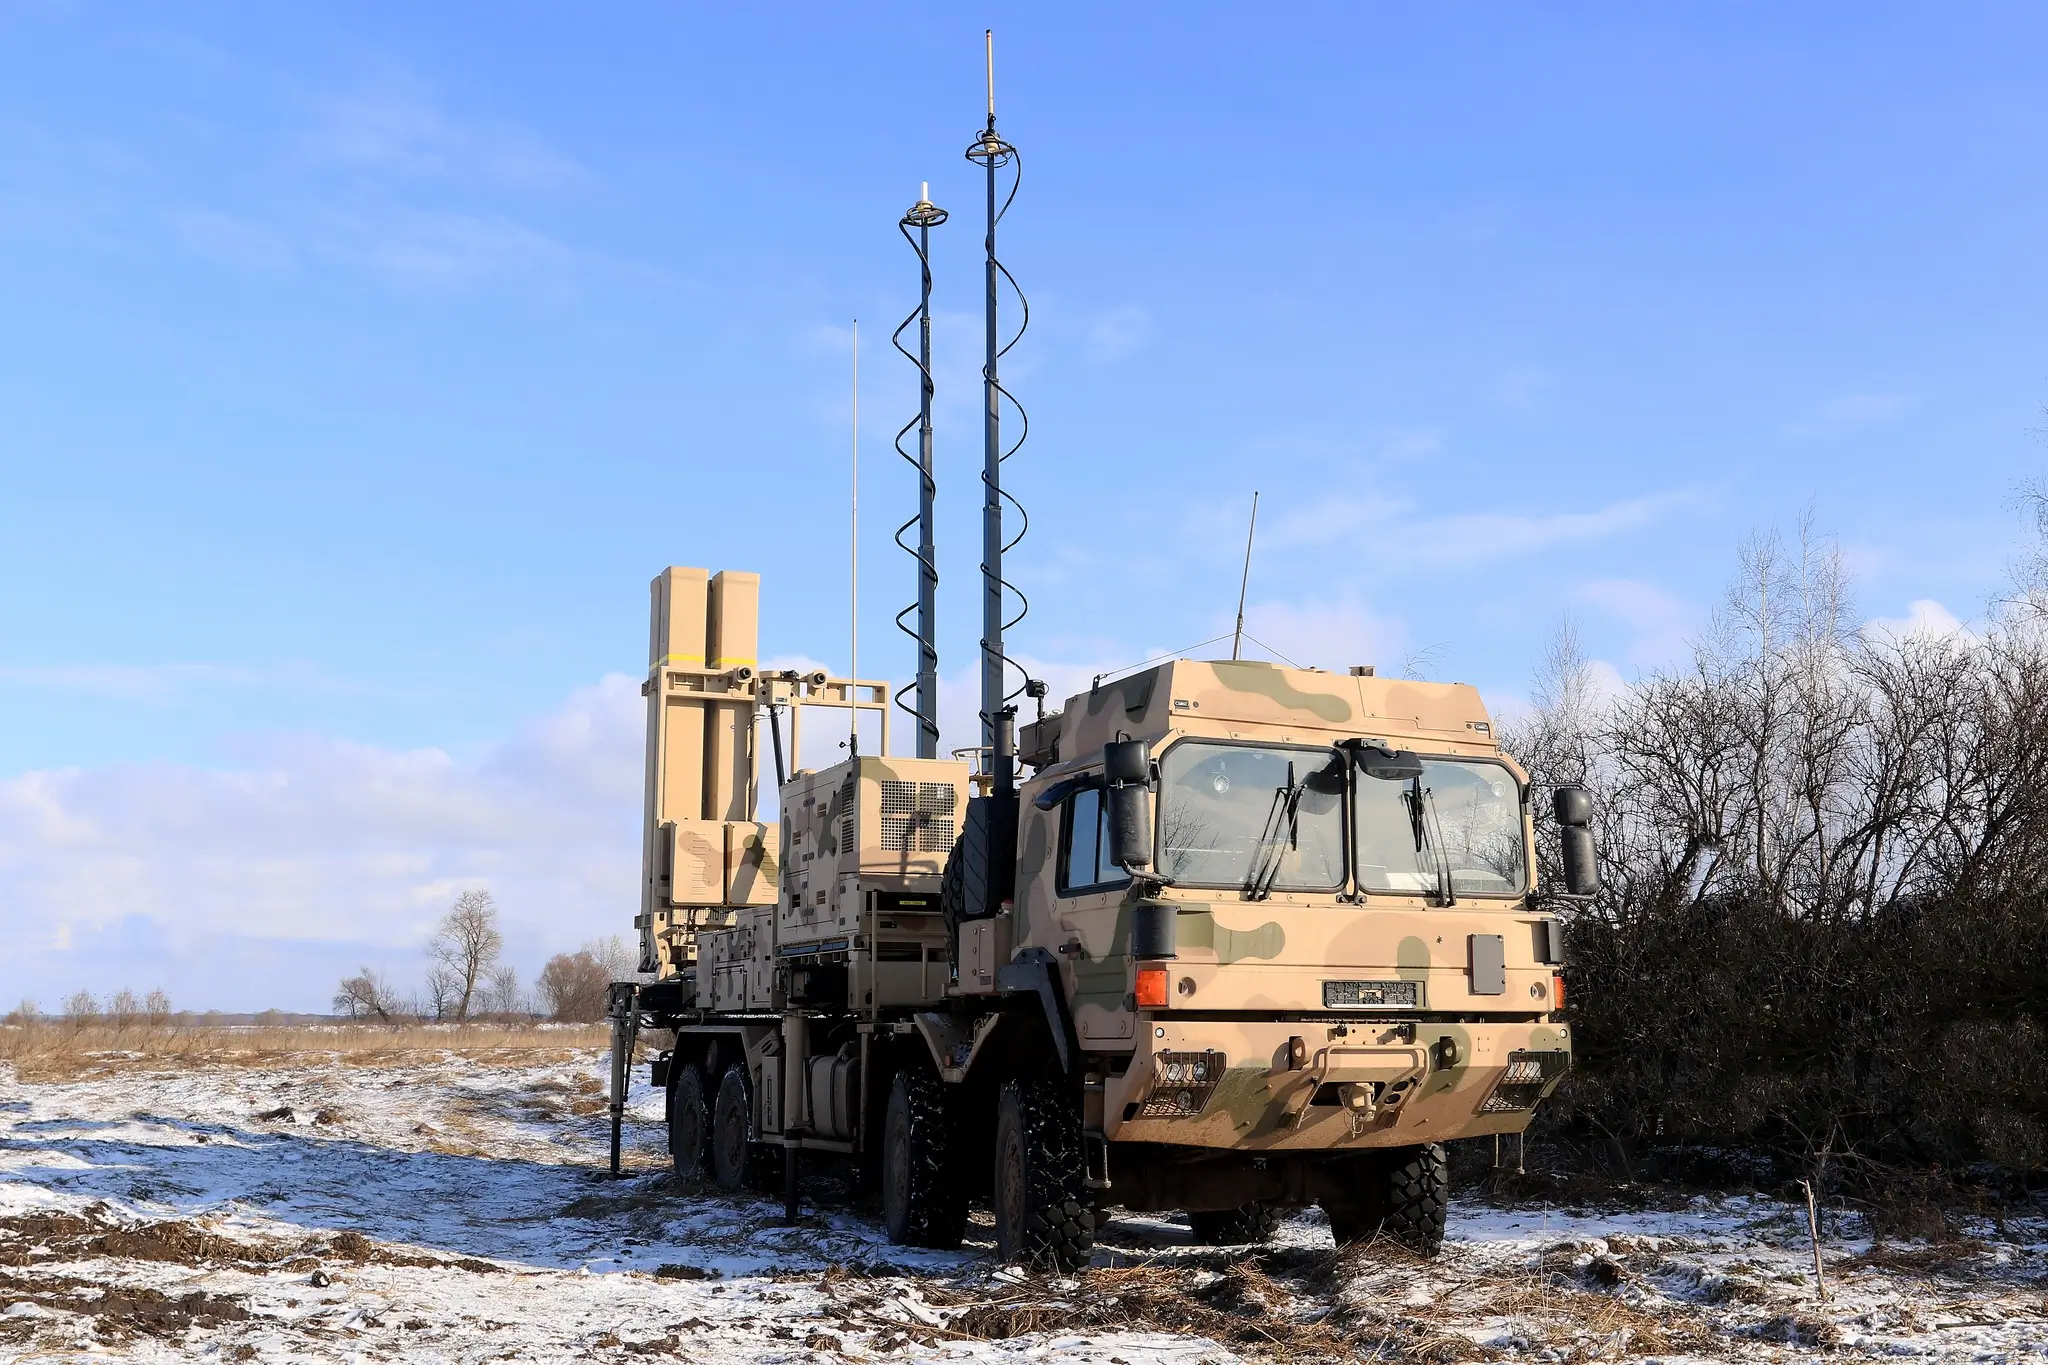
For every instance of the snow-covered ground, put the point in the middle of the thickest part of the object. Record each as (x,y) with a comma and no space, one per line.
(439,1209)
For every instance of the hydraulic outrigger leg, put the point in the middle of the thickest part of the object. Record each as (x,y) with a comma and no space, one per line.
(625,1030)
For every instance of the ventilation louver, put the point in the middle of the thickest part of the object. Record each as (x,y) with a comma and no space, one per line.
(917,817)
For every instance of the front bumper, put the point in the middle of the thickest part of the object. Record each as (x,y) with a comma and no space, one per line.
(1331,1084)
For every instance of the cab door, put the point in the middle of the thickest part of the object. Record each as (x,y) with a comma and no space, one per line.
(1090,895)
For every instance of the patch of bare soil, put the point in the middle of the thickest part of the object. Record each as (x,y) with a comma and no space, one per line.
(122,1312)
(33,1239)
(1308,1304)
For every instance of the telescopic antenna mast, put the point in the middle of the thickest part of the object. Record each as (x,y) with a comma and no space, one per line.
(924,215)
(853,561)
(992,153)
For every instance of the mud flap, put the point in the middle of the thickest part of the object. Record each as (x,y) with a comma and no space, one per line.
(1035,969)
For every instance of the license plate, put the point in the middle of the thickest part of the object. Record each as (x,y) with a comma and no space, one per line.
(1352,995)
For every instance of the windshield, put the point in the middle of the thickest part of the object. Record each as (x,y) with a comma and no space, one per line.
(1470,811)
(1260,818)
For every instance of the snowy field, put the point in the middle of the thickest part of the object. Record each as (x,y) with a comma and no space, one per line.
(432,1208)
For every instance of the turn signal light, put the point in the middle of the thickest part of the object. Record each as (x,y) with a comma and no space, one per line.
(1151,991)
(1557,992)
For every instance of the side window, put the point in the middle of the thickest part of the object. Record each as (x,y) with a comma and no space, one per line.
(1084,853)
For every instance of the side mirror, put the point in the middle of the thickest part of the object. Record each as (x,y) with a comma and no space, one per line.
(1127,768)
(1574,810)
(1130,833)
(1125,760)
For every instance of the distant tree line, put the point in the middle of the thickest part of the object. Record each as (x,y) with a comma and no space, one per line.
(467,978)
(1825,849)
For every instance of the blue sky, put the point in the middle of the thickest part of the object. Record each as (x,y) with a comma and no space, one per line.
(359,365)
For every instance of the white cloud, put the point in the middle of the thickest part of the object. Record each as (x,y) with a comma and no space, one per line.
(447,247)
(160,684)
(1470,538)
(234,241)
(1850,412)
(401,134)
(1521,388)
(1663,622)
(1332,635)
(1113,333)
(1925,618)
(1403,445)
(259,884)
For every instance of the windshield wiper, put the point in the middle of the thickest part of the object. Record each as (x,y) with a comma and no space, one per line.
(1430,837)
(1282,817)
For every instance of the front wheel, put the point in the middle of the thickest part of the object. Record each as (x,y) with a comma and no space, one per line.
(689,1121)
(1043,1215)
(1402,1195)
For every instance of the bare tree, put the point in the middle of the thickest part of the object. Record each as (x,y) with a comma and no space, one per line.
(366,995)
(620,959)
(499,994)
(573,987)
(463,950)
(1822,851)
(2031,573)
(81,1009)
(156,1008)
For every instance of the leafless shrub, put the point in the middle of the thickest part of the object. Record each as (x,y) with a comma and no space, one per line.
(367,995)
(573,987)
(123,1010)
(81,1009)
(1826,861)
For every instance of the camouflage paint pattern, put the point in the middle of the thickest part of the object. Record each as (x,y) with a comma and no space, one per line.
(1266,962)
(1263,1105)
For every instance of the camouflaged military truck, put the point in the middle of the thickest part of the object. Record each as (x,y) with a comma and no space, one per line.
(1220,937)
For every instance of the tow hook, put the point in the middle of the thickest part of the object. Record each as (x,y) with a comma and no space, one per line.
(1359,1099)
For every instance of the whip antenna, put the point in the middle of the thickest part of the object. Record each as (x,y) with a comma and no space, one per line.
(1237,638)
(992,153)
(853,564)
(923,216)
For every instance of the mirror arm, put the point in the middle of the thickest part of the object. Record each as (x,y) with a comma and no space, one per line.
(1059,791)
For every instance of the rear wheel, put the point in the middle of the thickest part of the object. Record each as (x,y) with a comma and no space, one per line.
(1043,1214)
(734,1158)
(1250,1224)
(921,1204)
(1402,1195)
(689,1120)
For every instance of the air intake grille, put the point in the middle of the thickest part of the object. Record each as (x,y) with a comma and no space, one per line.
(917,817)
(846,803)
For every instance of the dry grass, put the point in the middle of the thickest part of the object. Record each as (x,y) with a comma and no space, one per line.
(63,1050)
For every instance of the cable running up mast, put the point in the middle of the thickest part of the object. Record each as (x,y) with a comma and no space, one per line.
(991,152)
(924,216)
